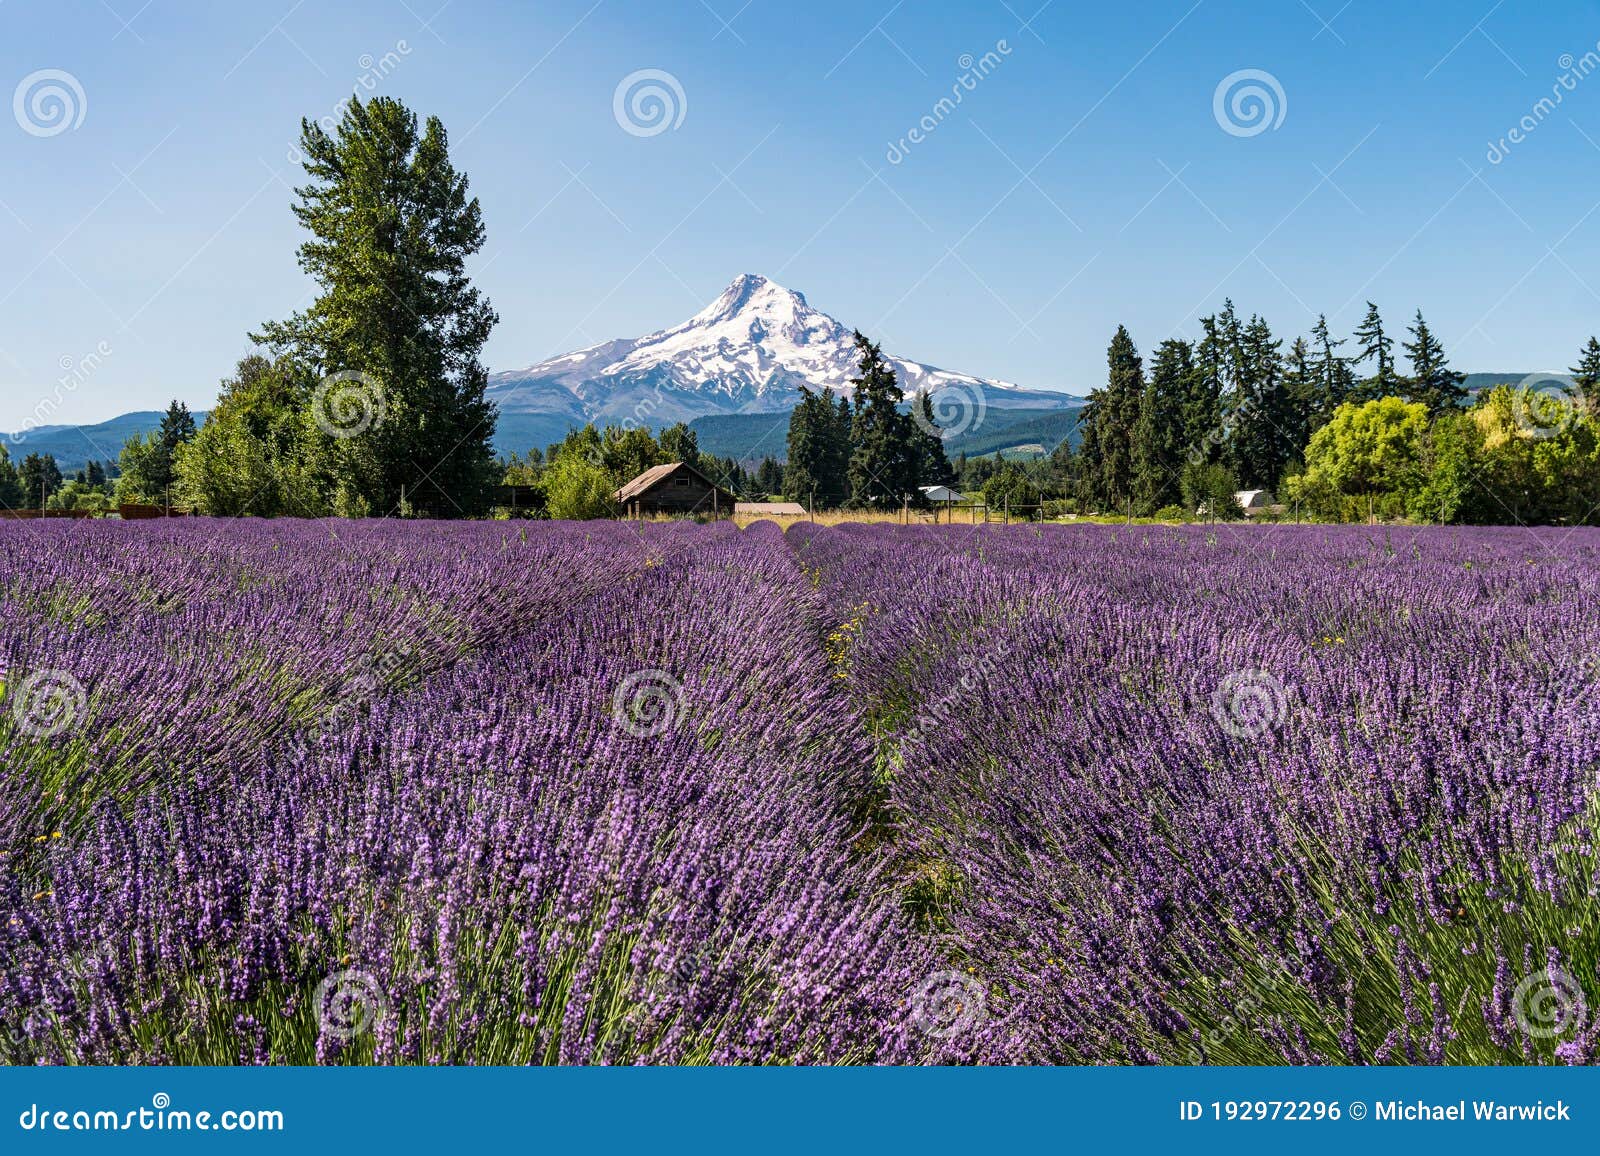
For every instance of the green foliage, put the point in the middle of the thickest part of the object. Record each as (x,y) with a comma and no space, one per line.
(679,443)
(39,477)
(1376,348)
(1433,382)
(1158,446)
(259,453)
(391,228)
(885,456)
(578,487)
(1011,488)
(11,496)
(1208,490)
(1366,452)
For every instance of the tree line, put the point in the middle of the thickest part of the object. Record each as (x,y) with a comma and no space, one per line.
(872,453)
(1336,435)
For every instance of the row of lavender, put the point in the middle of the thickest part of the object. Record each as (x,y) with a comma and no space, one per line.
(438,794)
(1263,796)
(278,792)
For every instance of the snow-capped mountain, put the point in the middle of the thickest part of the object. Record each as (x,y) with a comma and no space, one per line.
(749,351)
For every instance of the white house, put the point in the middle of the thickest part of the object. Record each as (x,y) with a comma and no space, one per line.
(942,494)
(1254,502)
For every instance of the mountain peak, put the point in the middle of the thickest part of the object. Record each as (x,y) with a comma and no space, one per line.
(751,292)
(749,351)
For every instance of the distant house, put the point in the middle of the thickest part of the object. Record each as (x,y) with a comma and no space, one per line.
(1255,502)
(675,488)
(769,509)
(942,494)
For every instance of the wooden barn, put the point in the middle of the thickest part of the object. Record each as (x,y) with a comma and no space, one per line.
(675,488)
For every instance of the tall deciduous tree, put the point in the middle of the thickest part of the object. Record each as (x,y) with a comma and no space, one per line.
(391,228)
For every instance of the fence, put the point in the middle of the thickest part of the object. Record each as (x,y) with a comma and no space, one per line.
(127,511)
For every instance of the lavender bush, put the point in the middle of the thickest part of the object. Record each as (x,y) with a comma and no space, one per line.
(280,792)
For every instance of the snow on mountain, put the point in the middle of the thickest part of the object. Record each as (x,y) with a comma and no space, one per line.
(749,351)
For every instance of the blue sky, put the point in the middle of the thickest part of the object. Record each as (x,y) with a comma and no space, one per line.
(1083,181)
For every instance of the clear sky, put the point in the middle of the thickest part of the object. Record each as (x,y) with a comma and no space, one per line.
(1084,179)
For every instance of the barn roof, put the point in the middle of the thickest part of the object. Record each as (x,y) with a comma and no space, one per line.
(655,475)
(785,509)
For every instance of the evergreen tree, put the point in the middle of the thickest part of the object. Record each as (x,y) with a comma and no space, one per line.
(40,478)
(1301,385)
(1115,419)
(11,495)
(769,477)
(1587,375)
(391,228)
(1204,428)
(679,443)
(933,464)
(1335,381)
(1433,382)
(1263,441)
(1158,440)
(883,458)
(809,430)
(1377,348)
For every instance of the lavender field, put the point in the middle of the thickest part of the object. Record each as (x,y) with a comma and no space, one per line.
(383,792)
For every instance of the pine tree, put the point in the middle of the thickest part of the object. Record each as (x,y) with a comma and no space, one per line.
(933,464)
(1204,429)
(1587,374)
(807,447)
(1334,378)
(40,477)
(1263,440)
(1115,419)
(11,495)
(883,458)
(1377,348)
(1089,462)
(1158,441)
(1304,393)
(679,443)
(1433,382)
(391,228)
